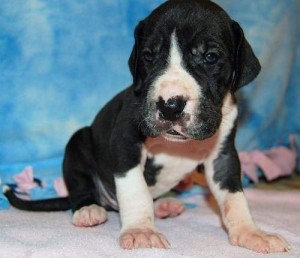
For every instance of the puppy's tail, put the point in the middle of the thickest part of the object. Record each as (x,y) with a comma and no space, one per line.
(55,204)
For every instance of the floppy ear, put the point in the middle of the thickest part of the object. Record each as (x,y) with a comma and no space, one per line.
(133,59)
(246,64)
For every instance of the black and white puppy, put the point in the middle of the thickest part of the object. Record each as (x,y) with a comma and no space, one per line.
(188,61)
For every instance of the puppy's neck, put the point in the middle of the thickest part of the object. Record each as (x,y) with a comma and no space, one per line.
(191,149)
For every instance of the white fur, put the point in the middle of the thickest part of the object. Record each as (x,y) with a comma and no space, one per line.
(236,202)
(89,216)
(135,200)
(176,81)
(168,207)
(174,169)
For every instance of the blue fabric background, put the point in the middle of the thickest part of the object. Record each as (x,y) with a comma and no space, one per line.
(60,61)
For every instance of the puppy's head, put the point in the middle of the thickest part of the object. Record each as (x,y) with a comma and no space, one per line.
(188,56)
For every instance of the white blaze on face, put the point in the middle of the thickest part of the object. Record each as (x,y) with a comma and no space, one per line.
(176,81)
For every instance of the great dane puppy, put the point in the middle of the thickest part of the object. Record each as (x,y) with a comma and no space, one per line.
(188,61)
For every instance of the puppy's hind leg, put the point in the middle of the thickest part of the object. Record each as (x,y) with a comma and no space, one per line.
(80,173)
(166,207)
(88,216)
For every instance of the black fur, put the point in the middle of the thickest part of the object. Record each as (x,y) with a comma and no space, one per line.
(55,204)
(227,166)
(151,172)
(111,146)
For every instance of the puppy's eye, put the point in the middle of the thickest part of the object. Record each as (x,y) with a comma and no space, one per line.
(211,58)
(148,56)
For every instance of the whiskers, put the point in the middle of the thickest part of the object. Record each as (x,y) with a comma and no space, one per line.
(212,116)
(225,112)
(144,126)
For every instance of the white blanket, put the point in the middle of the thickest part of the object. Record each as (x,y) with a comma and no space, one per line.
(196,233)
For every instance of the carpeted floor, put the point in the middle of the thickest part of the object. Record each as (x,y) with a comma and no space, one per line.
(282,184)
(196,233)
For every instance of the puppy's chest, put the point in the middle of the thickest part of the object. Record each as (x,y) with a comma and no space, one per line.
(163,172)
(167,163)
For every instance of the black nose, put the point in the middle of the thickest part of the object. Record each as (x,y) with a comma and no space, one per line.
(172,109)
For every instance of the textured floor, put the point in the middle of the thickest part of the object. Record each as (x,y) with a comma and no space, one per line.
(283,184)
(195,233)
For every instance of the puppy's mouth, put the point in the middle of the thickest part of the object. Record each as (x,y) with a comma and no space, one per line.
(173,135)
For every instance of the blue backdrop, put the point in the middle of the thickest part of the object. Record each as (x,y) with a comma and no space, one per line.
(60,61)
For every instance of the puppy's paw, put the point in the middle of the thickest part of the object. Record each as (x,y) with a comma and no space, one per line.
(89,216)
(143,238)
(168,207)
(254,239)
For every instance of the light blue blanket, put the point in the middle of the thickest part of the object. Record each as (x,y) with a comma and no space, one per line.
(61,61)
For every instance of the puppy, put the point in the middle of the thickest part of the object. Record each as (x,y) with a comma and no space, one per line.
(188,60)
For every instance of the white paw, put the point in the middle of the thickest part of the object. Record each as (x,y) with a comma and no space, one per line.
(89,216)
(168,207)
(143,238)
(254,239)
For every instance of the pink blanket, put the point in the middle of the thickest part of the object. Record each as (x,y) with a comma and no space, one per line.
(196,233)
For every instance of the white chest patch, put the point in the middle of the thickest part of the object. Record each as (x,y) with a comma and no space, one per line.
(173,170)
(176,160)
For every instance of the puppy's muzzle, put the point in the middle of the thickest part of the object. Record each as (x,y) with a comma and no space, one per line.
(172,109)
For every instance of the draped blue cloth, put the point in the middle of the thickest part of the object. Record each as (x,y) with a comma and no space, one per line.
(61,61)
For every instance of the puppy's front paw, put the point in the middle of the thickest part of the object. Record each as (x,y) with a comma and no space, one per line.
(168,207)
(143,238)
(89,216)
(254,239)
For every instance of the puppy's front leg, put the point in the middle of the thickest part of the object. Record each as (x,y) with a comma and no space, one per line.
(137,213)
(223,176)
